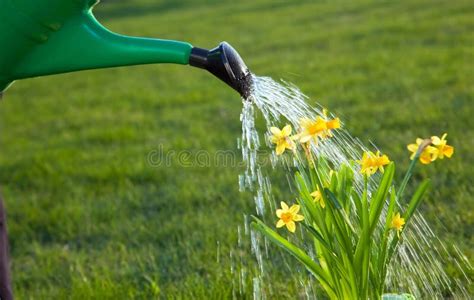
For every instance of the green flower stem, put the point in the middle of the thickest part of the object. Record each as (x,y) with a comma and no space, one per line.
(411,167)
(408,174)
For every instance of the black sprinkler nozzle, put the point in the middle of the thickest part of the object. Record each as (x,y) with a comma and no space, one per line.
(226,64)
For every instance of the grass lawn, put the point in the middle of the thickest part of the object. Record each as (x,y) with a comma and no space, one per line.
(89,217)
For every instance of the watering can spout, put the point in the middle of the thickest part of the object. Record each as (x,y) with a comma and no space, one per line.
(226,64)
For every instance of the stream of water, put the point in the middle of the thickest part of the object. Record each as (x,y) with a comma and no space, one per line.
(419,265)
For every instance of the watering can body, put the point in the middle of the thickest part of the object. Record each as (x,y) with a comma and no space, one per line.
(43,37)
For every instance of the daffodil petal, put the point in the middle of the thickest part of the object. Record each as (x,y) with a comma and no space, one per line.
(280,224)
(295,208)
(280,148)
(275,130)
(316,195)
(295,137)
(289,144)
(412,147)
(305,138)
(448,151)
(385,160)
(322,203)
(291,226)
(298,218)
(304,122)
(435,140)
(425,158)
(320,124)
(334,124)
(444,136)
(431,149)
(286,131)
(284,206)
(279,212)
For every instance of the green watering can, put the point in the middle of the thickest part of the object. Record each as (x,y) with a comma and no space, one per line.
(44,37)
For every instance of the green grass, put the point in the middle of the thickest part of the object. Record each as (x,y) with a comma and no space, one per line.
(89,217)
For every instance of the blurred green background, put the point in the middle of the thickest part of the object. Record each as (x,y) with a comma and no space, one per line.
(89,217)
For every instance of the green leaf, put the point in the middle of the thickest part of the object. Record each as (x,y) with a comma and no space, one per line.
(413,204)
(338,206)
(299,254)
(328,253)
(342,232)
(332,198)
(378,201)
(382,258)
(344,188)
(416,199)
(316,215)
(306,200)
(363,244)
(319,237)
(358,206)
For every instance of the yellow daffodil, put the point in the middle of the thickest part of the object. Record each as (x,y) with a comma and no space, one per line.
(371,162)
(397,223)
(427,151)
(282,139)
(333,124)
(366,164)
(288,216)
(331,173)
(311,129)
(380,161)
(442,149)
(318,198)
(318,128)
(330,124)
